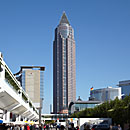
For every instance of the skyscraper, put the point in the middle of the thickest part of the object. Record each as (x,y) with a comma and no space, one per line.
(64,79)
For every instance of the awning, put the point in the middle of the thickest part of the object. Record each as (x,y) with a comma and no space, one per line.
(1,121)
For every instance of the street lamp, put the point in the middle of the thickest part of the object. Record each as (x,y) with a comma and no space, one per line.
(40,108)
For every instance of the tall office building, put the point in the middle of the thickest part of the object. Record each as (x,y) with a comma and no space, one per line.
(64,79)
(31,79)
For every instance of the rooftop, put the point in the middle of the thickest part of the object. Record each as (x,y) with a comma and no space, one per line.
(64,19)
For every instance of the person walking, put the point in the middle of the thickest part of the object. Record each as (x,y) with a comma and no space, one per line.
(115,127)
(72,126)
(119,127)
(129,127)
(87,127)
(77,127)
(62,127)
(40,127)
(22,127)
(28,127)
(111,127)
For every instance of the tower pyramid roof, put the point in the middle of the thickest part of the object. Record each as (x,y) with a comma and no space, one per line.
(64,19)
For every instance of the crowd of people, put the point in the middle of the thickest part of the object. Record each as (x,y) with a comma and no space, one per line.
(47,127)
(20,127)
(111,127)
(89,127)
(115,127)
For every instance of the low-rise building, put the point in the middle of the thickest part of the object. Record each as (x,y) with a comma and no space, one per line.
(80,105)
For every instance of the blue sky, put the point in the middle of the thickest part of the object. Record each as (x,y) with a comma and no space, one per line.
(102,35)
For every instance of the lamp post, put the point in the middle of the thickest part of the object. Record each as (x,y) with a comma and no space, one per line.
(40,108)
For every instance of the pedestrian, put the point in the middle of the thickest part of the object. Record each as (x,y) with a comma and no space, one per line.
(62,127)
(72,126)
(8,127)
(115,127)
(119,127)
(69,127)
(2,126)
(111,127)
(40,127)
(129,127)
(44,126)
(16,127)
(47,126)
(31,127)
(87,127)
(11,126)
(77,127)
(22,127)
(37,127)
(28,127)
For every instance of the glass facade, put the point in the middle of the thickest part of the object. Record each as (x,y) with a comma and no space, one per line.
(64,71)
(64,30)
(126,90)
(23,79)
(105,94)
(41,84)
(114,93)
(125,87)
(82,105)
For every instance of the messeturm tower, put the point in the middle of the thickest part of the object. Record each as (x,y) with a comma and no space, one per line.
(64,77)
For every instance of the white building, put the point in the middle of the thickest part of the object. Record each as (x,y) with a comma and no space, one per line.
(105,94)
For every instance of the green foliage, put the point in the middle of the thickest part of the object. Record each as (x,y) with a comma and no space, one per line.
(24,97)
(11,81)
